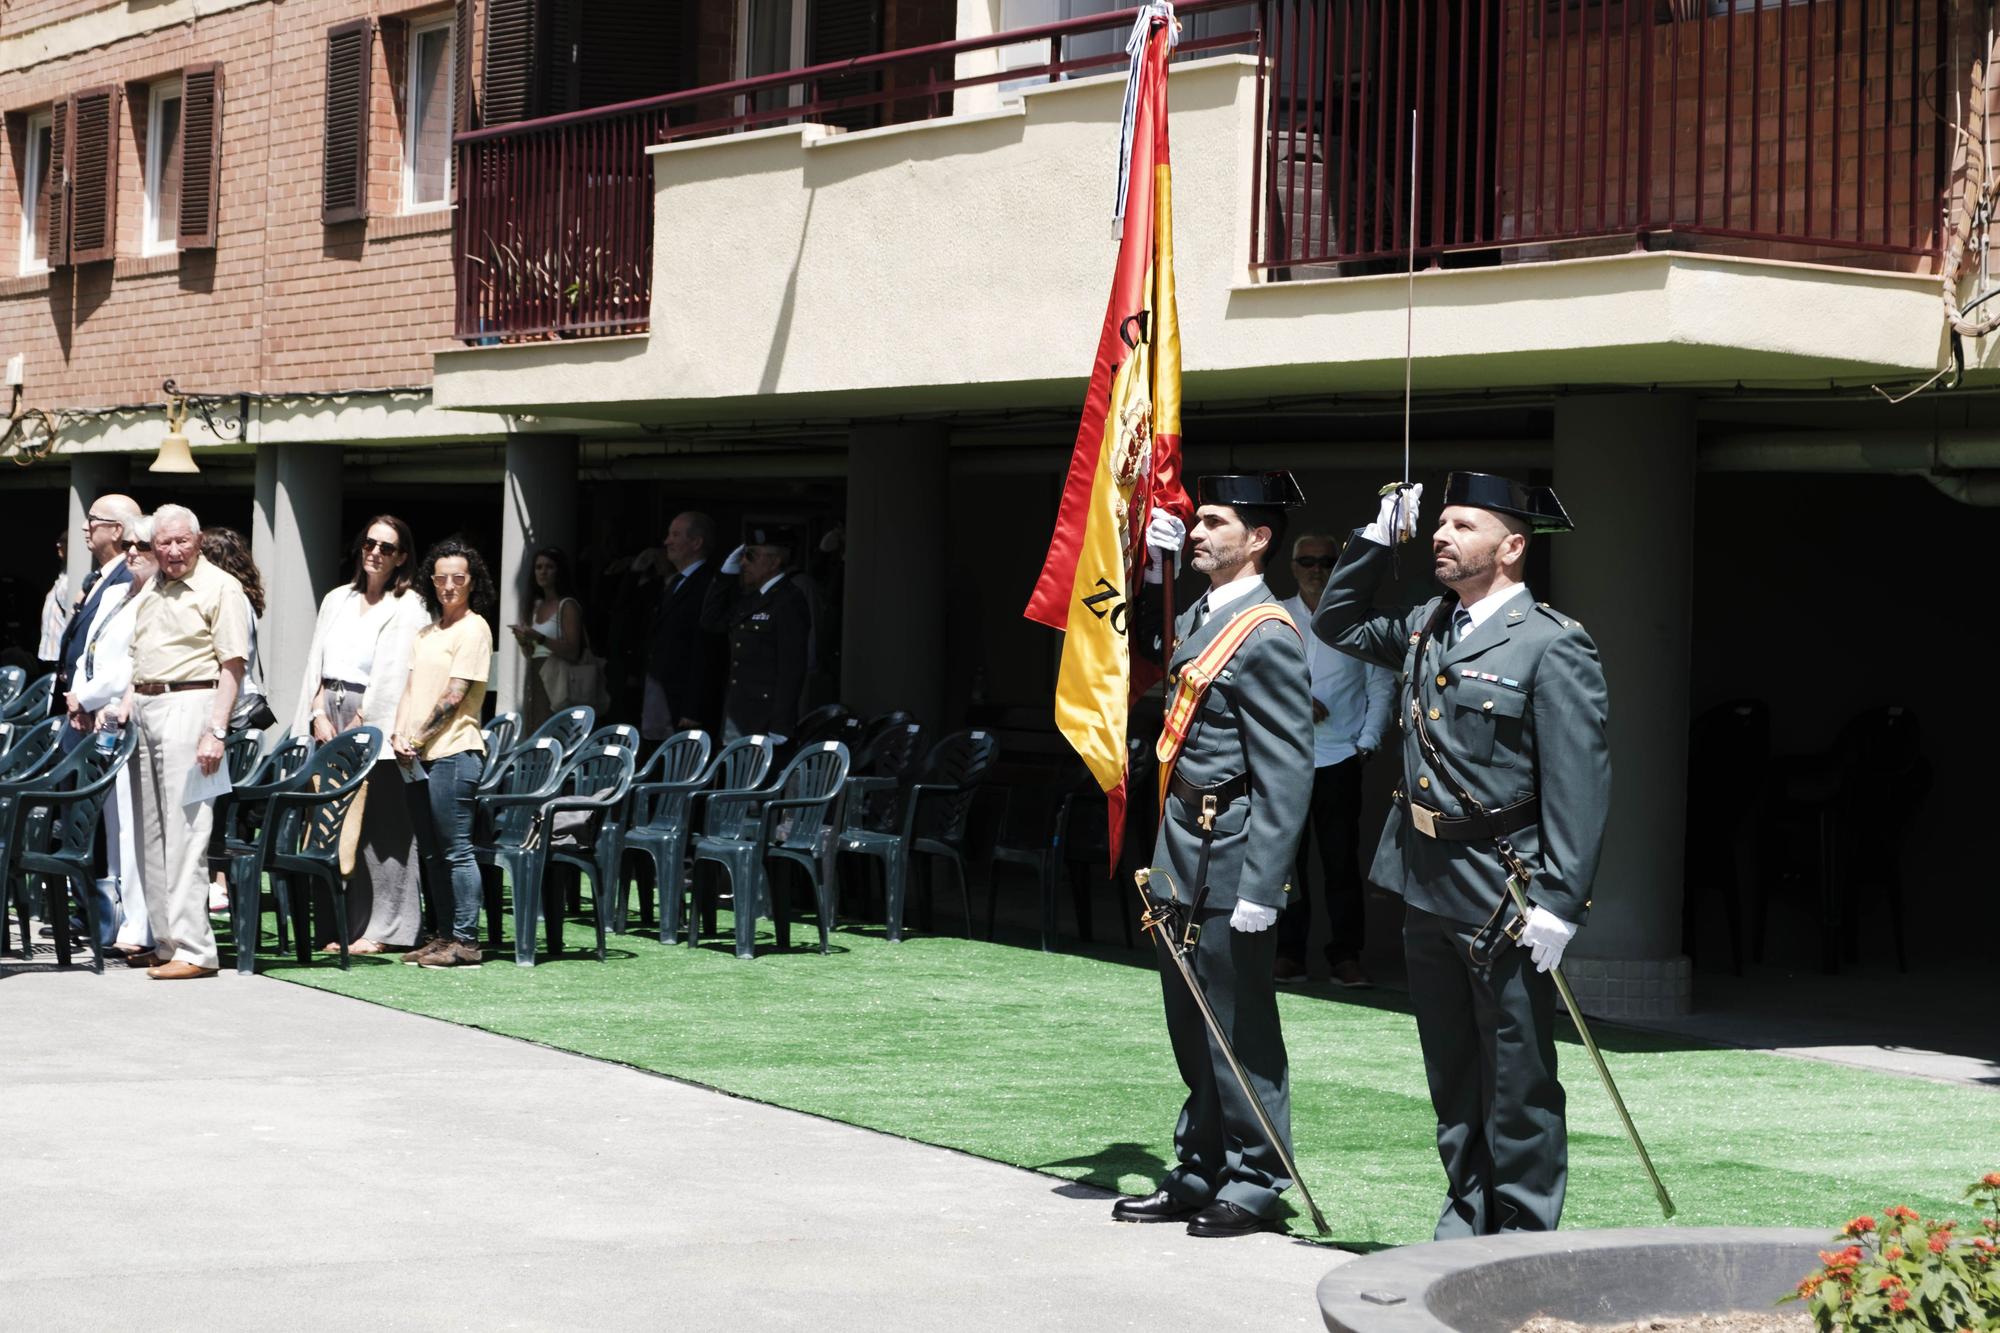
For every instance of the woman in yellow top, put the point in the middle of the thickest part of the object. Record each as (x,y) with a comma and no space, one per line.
(437,732)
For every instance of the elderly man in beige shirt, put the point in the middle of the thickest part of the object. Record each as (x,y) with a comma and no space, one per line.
(190,638)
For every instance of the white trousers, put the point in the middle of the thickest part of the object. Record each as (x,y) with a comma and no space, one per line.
(173,838)
(123,863)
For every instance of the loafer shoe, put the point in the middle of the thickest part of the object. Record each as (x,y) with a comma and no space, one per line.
(1347,973)
(1159,1206)
(146,958)
(1226,1219)
(178,972)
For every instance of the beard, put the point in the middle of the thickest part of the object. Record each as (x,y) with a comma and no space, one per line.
(1456,569)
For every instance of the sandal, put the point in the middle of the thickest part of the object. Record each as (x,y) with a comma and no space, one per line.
(367,946)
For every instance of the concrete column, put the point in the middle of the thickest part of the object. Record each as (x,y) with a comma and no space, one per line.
(1624,467)
(296,540)
(539,497)
(979,18)
(892,647)
(90,475)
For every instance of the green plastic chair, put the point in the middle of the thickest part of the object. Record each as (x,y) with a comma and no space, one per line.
(54,836)
(790,821)
(301,840)
(593,782)
(655,809)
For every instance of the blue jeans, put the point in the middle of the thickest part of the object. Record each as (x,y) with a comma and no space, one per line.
(452,780)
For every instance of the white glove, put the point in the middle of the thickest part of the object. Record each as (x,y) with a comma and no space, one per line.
(1165,535)
(733,562)
(1397,515)
(1252,917)
(1545,936)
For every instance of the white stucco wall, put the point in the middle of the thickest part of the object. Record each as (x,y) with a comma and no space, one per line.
(965,262)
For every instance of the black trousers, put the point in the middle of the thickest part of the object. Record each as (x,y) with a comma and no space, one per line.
(1335,818)
(1488,1036)
(1223,1153)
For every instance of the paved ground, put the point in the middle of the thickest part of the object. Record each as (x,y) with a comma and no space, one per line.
(242,1153)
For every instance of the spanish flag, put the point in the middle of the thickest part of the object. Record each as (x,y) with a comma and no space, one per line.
(1127,459)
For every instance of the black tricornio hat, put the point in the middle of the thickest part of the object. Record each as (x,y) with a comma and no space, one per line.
(1273,489)
(758,532)
(1536,505)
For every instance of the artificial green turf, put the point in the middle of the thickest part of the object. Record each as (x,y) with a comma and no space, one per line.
(1059,1062)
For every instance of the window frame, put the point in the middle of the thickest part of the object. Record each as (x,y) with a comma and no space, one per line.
(414,35)
(34,201)
(794,95)
(174,89)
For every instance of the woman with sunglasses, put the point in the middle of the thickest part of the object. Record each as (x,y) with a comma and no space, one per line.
(437,733)
(103,674)
(354,677)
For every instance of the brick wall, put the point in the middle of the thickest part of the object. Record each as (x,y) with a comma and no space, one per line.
(283,302)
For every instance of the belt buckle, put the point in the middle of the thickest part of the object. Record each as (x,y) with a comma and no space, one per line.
(1207,820)
(1424,818)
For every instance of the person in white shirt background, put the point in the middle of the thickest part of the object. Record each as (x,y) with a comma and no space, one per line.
(1351,705)
(103,674)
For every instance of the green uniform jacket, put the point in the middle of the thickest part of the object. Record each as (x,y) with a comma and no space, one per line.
(1518,707)
(1256,718)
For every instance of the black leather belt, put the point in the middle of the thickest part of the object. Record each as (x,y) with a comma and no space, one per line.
(1225,793)
(152,687)
(1471,828)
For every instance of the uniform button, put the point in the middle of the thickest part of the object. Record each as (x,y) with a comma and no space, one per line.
(1425,783)
(1435,715)
(1443,680)
(1488,705)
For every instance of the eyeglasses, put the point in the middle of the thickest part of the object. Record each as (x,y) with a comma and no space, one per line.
(370,544)
(93,521)
(1313,561)
(143,548)
(451,580)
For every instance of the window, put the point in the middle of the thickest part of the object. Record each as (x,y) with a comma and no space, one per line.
(163,169)
(35,181)
(427,125)
(774,41)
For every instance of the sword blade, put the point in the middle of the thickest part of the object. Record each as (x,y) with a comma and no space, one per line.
(1666,1201)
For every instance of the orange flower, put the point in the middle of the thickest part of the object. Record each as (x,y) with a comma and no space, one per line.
(1860,1226)
(1899,1302)
(1893,1253)
(1810,1285)
(1891,1282)
(1940,1242)
(1991,1180)
(1900,1213)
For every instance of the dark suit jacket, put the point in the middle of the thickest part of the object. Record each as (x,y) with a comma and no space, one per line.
(680,656)
(1520,706)
(768,634)
(76,634)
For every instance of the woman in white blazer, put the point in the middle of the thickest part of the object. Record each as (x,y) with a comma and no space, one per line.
(355,673)
(102,676)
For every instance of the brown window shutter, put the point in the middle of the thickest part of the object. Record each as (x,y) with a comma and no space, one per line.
(56,205)
(464,112)
(510,88)
(201,156)
(626,53)
(344,176)
(93,155)
(842,30)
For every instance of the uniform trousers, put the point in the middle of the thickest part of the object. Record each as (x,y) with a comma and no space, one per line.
(1334,818)
(1488,1036)
(1224,1156)
(173,837)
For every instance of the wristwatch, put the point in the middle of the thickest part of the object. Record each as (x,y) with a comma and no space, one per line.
(219,733)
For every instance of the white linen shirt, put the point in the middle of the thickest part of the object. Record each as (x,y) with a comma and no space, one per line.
(1358,696)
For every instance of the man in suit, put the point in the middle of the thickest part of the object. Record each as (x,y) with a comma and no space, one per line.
(769,626)
(1504,766)
(107,583)
(1236,800)
(683,675)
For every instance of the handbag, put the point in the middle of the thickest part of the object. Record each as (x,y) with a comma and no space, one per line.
(581,683)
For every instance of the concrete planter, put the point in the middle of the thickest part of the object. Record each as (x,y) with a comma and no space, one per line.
(1494,1284)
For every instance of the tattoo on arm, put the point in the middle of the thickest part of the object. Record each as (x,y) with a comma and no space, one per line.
(447,704)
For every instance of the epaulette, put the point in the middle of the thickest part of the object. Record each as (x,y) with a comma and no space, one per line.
(1557,616)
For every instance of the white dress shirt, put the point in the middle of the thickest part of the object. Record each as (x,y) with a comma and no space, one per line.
(1217,598)
(1357,695)
(1481,610)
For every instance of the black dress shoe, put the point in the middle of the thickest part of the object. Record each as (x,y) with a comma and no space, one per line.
(1226,1219)
(1159,1206)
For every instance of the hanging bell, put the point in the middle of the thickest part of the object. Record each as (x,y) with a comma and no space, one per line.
(174,455)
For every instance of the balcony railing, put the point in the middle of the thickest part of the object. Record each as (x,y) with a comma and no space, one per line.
(1807,128)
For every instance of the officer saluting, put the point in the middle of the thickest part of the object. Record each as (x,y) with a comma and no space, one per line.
(1237,748)
(769,625)
(1502,710)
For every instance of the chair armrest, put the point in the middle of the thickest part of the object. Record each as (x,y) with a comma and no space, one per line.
(771,809)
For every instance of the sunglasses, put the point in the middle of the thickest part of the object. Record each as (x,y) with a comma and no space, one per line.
(451,580)
(1313,561)
(93,521)
(386,548)
(143,548)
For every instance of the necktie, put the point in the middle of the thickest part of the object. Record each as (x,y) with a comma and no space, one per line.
(1200,615)
(89,582)
(675,586)
(1461,625)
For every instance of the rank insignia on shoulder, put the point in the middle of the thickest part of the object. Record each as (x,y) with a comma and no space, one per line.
(1516,615)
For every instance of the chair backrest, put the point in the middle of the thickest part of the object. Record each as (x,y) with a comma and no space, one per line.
(619,733)
(87,773)
(241,752)
(601,771)
(815,774)
(34,749)
(959,761)
(826,722)
(337,770)
(13,680)
(894,752)
(32,701)
(6,736)
(499,736)
(681,757)
(885,722)
(284,761)
(568,727)
(529,768)
(742,766)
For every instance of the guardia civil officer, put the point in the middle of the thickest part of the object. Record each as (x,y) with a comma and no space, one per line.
(1235,803)
(1502,709)
(756,603)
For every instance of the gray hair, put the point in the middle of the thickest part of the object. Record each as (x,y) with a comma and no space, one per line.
(1305,537)
(169,513)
